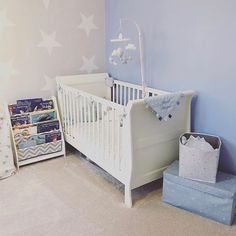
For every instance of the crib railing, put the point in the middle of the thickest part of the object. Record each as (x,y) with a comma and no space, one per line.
(123,92)
(94,124)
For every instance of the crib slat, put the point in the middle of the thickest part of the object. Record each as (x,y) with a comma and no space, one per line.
(140,94)
(113,93)
(81,117)
(125,96)
(102,138)
(84,120)
(70,113)
(73,96)
(121,95)
(113,137)
(93,120)
(107,145)
(89,118)
(98,121)
(129,94)
(118,143)
(117,94)
(77,117)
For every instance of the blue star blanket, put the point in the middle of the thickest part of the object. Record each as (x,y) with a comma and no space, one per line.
(164,105)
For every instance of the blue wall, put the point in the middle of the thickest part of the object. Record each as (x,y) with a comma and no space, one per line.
(188,45)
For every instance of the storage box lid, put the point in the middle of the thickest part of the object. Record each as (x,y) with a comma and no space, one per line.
(225,186)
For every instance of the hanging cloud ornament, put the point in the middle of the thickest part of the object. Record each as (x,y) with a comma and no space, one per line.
(130,46)
(119,52)
(126,58)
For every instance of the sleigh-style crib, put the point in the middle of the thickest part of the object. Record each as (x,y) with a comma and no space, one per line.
(114,129)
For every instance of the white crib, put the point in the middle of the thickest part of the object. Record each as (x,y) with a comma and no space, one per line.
(114,129)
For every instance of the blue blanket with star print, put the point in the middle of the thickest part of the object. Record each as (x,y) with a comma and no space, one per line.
(164,105)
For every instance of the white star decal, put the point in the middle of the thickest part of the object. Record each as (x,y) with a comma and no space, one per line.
(88,64)
(87,24)
(49,42)
(4,22)
(46,3)
(50,85)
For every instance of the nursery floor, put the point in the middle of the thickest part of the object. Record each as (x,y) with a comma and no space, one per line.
(74,197)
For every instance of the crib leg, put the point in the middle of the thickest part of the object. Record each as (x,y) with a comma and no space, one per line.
(128,196)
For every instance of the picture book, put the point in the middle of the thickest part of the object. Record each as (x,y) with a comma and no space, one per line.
(46,105)
(16,109)
(26,142)
(48,126)
(20,120)
(30,105)
(33,104)
(29,101)
(25,130)
(53,136)
(43,116)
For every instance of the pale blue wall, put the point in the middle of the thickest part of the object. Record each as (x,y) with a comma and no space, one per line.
(188,45)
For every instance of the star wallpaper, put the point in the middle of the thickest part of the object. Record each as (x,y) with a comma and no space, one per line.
(40,39)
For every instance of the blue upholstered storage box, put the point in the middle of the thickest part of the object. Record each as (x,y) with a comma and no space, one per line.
(215,201)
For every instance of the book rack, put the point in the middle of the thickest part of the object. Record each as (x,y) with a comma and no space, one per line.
(36,133)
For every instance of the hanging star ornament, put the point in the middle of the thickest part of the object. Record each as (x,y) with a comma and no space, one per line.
(88,64)
(50,85)
(49,42)
(4,21)
(46,3)
(87,24)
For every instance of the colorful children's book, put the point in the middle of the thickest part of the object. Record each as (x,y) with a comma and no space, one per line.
(46,105)
(34,140)
(29,101)
(30,105)
(20,120)
(33,104)
(15,109)
(53,136)
(43,116)
(48,126)
(25,130)
(26,142)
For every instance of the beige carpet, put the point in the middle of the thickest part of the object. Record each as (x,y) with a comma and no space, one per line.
(73,197)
